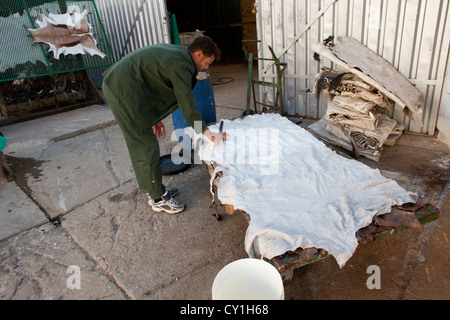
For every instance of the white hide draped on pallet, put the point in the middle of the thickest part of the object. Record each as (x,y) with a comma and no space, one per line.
(297,192)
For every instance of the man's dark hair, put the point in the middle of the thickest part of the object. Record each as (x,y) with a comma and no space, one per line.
(206,45)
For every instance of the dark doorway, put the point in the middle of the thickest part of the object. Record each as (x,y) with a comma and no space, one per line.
(227,22)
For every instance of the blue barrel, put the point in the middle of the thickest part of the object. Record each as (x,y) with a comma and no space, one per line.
(204,97)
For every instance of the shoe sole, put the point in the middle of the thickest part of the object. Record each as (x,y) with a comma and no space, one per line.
(168,211)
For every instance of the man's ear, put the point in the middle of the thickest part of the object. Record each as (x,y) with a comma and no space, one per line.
(198,53)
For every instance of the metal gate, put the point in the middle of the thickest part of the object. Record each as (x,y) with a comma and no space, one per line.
(412,35)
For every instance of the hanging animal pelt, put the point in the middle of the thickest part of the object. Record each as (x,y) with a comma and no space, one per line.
(66,34)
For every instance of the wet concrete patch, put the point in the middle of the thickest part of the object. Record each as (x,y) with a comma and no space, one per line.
(23,168)
(68,173)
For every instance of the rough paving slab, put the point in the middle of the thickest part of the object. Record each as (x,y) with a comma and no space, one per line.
(18,212)
(34,266)
(38,133)
(72,172)
(158,256)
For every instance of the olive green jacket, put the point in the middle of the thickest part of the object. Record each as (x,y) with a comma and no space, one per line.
(151,82)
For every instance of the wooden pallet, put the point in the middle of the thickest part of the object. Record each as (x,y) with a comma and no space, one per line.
(301,257)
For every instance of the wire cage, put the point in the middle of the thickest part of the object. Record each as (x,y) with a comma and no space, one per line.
(22,58)
(35,76)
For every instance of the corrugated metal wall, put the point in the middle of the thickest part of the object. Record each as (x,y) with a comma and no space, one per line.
(133,24)
(130,25)
(412,35)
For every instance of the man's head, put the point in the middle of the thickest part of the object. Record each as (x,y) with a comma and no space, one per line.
(204,51)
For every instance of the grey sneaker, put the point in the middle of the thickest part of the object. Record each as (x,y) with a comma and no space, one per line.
(167,204)
(170,206)
(172,191)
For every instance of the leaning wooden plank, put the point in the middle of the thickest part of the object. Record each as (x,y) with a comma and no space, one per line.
(354,57)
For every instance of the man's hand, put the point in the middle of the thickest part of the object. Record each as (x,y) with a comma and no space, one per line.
(160,130)
(215,137)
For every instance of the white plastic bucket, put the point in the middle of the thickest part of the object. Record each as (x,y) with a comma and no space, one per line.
(248,279)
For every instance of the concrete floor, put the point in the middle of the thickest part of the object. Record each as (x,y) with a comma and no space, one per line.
(74,202)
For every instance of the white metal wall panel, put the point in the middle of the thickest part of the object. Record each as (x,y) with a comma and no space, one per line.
(133,24)
(412,35)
